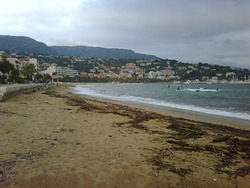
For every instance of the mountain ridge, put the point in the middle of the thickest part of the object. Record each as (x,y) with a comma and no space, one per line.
(30,45)
(24,44)
(101,52)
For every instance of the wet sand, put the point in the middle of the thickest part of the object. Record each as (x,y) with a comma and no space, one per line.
(53,138)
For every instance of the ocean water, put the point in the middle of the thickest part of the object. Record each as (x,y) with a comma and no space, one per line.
(232,100)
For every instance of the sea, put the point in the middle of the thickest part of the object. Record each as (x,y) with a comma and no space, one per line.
(231,100)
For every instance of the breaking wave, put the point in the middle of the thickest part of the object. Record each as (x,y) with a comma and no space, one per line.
(80,89)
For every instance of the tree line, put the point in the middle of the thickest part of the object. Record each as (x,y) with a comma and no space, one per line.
(12,75)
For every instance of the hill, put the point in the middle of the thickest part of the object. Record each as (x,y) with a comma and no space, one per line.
(24,44)
(86,51)
(29,45)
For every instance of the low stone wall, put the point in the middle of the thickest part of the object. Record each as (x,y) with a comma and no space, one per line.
(10,91)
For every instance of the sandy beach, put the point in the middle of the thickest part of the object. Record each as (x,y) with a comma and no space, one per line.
(54,138)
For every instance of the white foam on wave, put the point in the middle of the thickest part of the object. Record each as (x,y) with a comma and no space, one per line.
(201,90)
(128,98)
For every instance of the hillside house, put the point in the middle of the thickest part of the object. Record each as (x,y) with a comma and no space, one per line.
(3,55)
(192,67)
(15,62)
(83,74)
(182,68)
(219,75)
(33,61)
(168,72)
(126,75)
(230,74)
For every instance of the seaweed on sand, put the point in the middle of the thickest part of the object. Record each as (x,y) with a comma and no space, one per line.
(158,163)
(82,104)
(53,93)
(185,130)
(230,155)
(7,167)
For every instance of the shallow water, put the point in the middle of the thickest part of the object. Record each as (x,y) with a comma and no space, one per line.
(232,100)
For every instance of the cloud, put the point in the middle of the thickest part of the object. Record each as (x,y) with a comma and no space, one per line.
(196,30)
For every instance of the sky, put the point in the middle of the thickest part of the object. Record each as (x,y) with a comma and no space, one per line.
(208,31)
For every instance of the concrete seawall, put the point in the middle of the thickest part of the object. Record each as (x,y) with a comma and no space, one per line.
(10,91)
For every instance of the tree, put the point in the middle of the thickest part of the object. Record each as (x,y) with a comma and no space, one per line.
(5,66)
(38,76)
(29,70)
(47,77)
(15,72)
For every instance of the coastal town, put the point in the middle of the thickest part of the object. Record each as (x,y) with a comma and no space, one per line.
(125,94)
(90,69)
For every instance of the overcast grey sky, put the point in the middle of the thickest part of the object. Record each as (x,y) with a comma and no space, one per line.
(211,31)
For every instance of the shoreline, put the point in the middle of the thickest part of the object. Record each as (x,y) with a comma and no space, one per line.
(177,112)
(53,138)
(197,116)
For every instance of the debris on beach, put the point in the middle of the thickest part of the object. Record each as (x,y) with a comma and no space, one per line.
(221,139)
(7,167)
(180,141)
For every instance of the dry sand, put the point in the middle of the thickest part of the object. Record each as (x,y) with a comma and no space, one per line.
(52,138)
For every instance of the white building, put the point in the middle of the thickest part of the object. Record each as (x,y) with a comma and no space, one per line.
(3,55)
(156,75)
(196,81)
(61,71)
(187,82)
(152,75)
(15,62)
(50,70)
(168,72)
(65,71)
(35,62)
(230,74)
